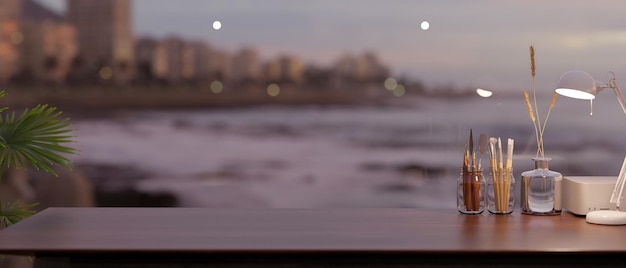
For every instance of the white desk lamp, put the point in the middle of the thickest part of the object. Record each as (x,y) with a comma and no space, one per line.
(580,85)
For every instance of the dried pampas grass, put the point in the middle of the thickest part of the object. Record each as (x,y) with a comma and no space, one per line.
(534,113)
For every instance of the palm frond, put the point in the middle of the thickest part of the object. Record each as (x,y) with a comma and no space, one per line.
(37,136)
(2,94)
(13,212)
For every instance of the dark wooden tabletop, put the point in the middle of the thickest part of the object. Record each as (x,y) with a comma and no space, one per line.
(199,230)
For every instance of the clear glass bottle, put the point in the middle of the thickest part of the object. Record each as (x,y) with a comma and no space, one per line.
(500,191)
(541,189)
(471,192)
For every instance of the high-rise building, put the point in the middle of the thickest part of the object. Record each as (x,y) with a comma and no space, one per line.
(105,37)
(48,44)
(10,11)
(35,42)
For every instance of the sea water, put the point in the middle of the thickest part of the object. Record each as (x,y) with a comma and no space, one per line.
(334,156)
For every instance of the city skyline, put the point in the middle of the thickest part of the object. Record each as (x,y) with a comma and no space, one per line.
(92,41)
(477,43)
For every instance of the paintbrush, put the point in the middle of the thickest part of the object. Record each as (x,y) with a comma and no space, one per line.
(471,150)
(493,162)
(509,154)
(507,174)
(467,186)
(500,162)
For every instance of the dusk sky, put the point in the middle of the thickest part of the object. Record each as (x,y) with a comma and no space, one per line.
(469,43)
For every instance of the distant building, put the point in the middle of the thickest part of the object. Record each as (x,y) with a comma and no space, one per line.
(105,38)
(146,58)
(49,44)
(318,77)
(10,11)
(360,69)
(221,65)
(173,60)
(246,65)
(346,69)
(35,43)
(285,69)
(172,56)
(201,60)
(374,70)
(187,62)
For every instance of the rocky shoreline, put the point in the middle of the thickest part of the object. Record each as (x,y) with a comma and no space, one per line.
(115,186)
(102,99)
(111,185)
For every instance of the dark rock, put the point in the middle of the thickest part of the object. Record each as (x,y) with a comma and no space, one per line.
(68,189)
(373,166)
(396,187)
(409,169)
(114,185)
(111,177)
(133,198)
(425,172)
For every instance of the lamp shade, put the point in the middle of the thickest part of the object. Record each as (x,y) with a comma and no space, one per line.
(577,84)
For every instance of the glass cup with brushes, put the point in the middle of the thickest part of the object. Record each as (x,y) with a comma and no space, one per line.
(471,197)
(500,183)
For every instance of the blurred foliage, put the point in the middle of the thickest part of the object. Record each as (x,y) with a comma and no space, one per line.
(37,138)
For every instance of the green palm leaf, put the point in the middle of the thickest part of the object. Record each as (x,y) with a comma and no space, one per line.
(12,212)
(37,136)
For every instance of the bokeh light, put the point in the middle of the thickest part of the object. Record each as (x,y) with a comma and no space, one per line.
(273,90)
(390,83)
(217,87)
(105,73)
(425,25)
(399,90)
(17,38)
(483,93)
(217,25)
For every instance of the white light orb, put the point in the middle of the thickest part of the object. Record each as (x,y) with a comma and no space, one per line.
(425,25)
(390,83)
(483,93)
(217,25)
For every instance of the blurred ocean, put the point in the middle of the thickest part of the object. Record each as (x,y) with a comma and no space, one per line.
(407,154)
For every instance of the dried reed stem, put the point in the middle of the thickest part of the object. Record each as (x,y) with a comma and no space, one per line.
(529,107)
(532,70)
(531,114)
(532,61)
(543,128)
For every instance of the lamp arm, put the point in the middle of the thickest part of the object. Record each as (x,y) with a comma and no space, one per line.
(620,98)
(613,85)
(618,191)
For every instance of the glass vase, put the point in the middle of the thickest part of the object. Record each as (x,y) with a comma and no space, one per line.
(471,192)
(500,191)
(541,189)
